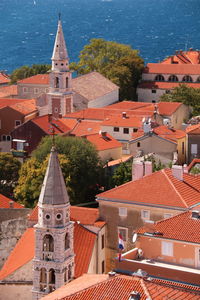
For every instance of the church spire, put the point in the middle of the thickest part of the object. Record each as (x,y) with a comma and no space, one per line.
(54,190)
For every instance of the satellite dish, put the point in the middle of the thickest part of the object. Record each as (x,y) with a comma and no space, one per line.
(134,238)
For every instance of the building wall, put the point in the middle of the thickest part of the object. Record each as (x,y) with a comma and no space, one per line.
(178,117)
(29,91)
(79,102)
(8,123)
(15,291)
(105,100)
(151,76)
(119,135)
(181,147)
(153,144)
(114,153)
(192,139)
(146,95)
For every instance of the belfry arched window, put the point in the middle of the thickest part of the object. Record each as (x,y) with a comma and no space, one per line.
(187,78)
(52,278)
(159,77)
(69,272)
(198,79)
(66,241)
(67,82)
(173,78)
(43,275)
(48,243)
(57,82)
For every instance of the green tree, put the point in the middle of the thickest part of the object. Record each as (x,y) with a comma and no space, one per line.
(80,164)
(122,174)
(27,71)
(9,173)
(195,170)
(118,62)
(185,94)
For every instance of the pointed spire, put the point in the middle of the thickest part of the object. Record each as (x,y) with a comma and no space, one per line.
(53,190)
(60,49)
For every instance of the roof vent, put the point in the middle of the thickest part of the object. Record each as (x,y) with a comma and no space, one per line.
(195,214)
(140,273)
(11,203)
(135,296)
(124,115)
(111,274)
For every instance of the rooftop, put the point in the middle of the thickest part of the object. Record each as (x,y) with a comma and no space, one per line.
(193,129)
(178,69)
(103,141)
(6,203)
(166,85)
(8,91)
(4,78)
(58,126)
(184,57)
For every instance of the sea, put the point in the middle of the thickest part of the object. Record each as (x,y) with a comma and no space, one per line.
(155,27)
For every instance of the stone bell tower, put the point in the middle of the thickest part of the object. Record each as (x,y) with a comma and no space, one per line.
(60,96)
(53,264)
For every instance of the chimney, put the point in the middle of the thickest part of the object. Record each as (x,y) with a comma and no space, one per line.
(111,274)
(103,133)
(124,115)
(195,214)
(185,169)
(147,167)
(11,204)
(147,125)
(137,170)
(135,296)
(177,172)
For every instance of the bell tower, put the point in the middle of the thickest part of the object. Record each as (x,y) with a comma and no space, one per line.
(60,96)
(53,264)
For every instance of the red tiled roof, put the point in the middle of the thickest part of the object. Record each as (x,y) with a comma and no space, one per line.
(138,134)
(159,68)
(84,128)
(128,105)
(168,108)
(159,189)
(24,251)
(120,287)
(4,78)
(183,57)
(8,90)
(193,129)
(103,142)
(118,120)
(36,79)
(43,123)
(21,254)
(12,101)
(181,227)
(119,161)
(26,107)
(5,202)
(166,85)
(169,133)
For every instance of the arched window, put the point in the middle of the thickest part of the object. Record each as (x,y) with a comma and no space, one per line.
(187,78)
(48,243)
(66,241)
(198,79)
(173,78)
(57,82)
(159,78)
(52,278)
(69,272)
(65,276)
(67,82)
(43,275)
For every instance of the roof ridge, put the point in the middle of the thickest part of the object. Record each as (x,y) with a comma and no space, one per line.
(145,288)
(171,183)
(170,218)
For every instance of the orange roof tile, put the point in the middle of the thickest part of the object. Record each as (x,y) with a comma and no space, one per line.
(128,105)
(159,68)
(43,123)
(138,134)
(70,123)
(5,202)
(7,91)
(84,128)
(181,227)
(168,108)
(118,120)
(36,79)
(169,133)
(11,101)
(21,254)
(24,251)
(120,160)
(26,107)
(158,189)
(4,78)
(193,129)
(183,57)
(103,142)
(166,85)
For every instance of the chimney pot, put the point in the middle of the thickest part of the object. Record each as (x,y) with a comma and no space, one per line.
(147,167)
(177,172)
(137,170)
(185,168)
(195,214)
(124,115)
(135,296)
(111,273)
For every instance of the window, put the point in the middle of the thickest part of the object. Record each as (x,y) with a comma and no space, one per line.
(3,137)
(167,248)
(20,146)
(25,90)
(167,91)
(159,78)
(36,90)
(145,214)
(48,243)
(167,215)
(56,82)
(135,129)
(67,241)
(56,110)
(102,267)
(124,233)
(194,148)
(173,78)
(138,144)
(59,216)
(116,129)
(8,138)
(187,78)
(198,79)
(102,241)
(17,123)
(153,91)
(0,124)
(122,211)
(67,82)
(126,130)
(183,147)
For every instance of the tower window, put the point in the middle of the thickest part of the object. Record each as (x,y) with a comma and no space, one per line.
(66,241)
(52,276)
(56,82)
(43,275)
(67,82)
(48,217)
(69,272)
(62,64)
(58,216)
(48,243)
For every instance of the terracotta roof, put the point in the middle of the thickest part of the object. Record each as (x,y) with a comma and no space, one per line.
(103,142)
(184,57)
(24,251)
(70,123)
(166,85)
(26,107)
(7,91)
(93,85)
(138,134)
(85,127)
(169,133)
(85,215)
(128,105)
(118,120)
(4,78)
(193,129)
(12,101)
(5,202)
(168,108)
(182,69)
(120,287)
(43,123)
(36,79)
(119,161)
(193,163)
(181,227)
(20,255)
(158,189)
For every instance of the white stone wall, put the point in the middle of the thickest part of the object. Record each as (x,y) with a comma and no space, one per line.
(23,274)
(15,291)
(151,77)
(120,135)
(105,100)
(146,95)
(29,91)
(110,153)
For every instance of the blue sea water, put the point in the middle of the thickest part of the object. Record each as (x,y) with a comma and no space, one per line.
(156,27)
